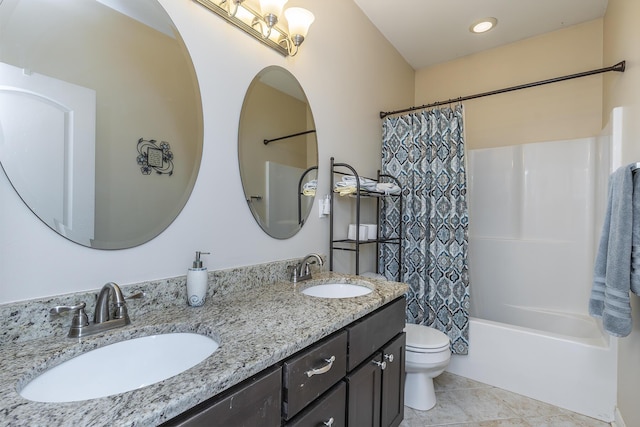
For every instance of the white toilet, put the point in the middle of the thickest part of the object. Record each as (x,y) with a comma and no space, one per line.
(427,356)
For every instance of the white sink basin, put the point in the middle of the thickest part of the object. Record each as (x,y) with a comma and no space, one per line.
(337,290)
(120,367)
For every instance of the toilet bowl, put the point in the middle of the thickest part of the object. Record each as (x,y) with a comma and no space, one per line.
(427,356)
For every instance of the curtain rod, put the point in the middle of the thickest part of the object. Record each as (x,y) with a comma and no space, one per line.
(620,66)
(266,141)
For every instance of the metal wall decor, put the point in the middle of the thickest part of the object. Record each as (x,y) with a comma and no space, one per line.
(154,156)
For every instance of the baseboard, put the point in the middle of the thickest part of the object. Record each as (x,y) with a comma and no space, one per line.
(617,419)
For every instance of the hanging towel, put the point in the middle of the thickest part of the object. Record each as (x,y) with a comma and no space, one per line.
(635,235)
(612,278)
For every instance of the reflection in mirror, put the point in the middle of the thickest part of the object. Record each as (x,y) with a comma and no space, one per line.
(100,117)
(278,152)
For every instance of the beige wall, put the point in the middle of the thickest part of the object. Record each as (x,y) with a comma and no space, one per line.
(564,110)
(621,42)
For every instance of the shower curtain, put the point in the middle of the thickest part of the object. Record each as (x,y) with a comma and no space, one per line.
(425,151)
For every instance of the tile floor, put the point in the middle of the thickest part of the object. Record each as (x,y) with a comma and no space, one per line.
(462,402)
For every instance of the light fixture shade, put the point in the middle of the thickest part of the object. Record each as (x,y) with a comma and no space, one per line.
(273,7)
(299,20)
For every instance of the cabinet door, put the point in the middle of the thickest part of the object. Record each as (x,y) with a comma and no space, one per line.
(255,402)
(364,386)
(393,382)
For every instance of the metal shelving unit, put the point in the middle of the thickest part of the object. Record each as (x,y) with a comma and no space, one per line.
(353,245)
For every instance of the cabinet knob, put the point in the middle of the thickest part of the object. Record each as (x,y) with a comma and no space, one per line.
(329,422)
(388,357)
(383,365)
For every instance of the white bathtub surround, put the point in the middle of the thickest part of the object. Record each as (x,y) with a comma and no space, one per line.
(535,211)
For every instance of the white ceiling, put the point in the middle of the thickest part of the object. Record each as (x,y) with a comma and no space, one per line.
(428,32)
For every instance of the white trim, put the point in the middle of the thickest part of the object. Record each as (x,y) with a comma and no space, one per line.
(617,419)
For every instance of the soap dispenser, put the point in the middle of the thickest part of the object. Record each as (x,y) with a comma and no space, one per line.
(197,282)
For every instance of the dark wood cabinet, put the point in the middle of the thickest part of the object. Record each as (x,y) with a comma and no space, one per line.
(378,339)
(376,388)
(353,378)
(364,386)
(254,402)
(392,399)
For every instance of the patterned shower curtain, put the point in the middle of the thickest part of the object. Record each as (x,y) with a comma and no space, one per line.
(425,151)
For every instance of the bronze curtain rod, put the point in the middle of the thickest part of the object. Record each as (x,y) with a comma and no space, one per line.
(620,66)
(266,141)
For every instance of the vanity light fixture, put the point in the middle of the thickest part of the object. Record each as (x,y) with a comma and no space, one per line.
(263,24)
(483,25)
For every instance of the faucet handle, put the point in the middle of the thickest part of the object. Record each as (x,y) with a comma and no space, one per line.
(59,309)
(307,268)
(136,295)
(80,318)
(294,272)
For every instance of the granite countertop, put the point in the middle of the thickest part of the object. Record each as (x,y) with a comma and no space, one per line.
(256,327)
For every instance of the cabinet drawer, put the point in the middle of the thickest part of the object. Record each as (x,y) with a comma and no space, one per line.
(369,334)
(330,408)
(309,374)
(255,402)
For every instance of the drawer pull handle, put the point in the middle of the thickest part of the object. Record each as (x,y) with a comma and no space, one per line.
(389,357)
(328,423)
(325,368)
(383,365)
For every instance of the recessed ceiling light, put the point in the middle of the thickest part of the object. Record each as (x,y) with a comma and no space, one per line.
(483,25)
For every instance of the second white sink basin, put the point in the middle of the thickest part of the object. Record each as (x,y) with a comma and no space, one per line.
(337,290)
(120,367)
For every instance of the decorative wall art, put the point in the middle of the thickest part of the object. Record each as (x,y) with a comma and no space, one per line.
(154,156)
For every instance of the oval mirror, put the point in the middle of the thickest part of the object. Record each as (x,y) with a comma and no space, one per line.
(278,152)
(100,117)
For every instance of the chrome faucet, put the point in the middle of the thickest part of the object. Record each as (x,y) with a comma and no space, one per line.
(103,319)
(302,270)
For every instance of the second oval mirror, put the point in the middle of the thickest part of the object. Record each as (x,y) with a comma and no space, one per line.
(278,152)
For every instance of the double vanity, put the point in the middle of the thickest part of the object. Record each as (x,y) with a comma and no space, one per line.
(292,355)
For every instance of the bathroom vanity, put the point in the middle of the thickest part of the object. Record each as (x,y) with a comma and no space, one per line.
(271,337)
(356,374)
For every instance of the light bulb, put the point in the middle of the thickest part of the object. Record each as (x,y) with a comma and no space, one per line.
(483,25)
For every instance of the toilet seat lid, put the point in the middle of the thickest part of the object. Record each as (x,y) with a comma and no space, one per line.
(425,338)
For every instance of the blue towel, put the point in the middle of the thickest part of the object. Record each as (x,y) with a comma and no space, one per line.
(615,273)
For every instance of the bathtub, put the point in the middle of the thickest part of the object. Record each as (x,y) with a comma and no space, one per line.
(573,370)
(535,212)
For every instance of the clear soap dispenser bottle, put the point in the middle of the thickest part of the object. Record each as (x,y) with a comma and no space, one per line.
(197,282)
